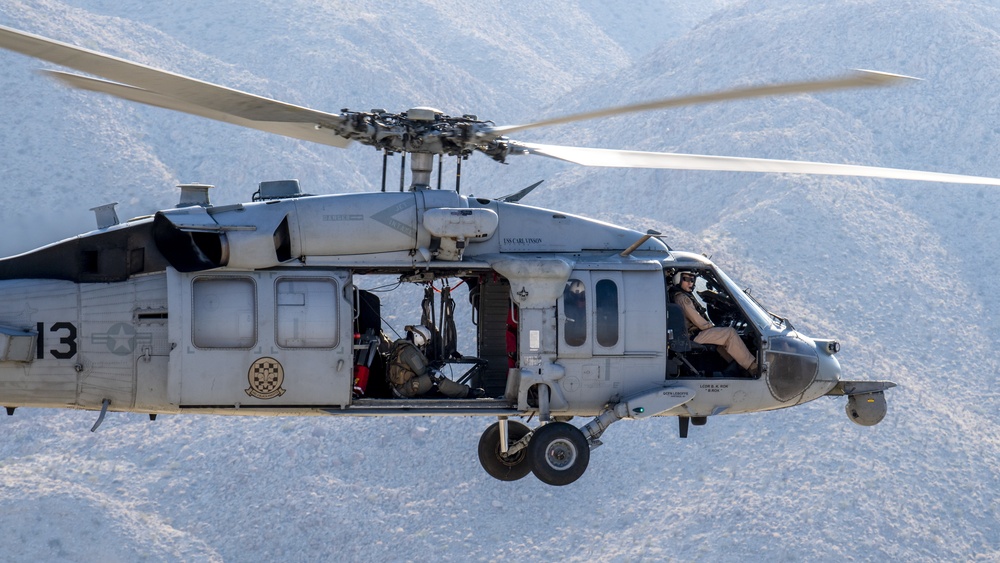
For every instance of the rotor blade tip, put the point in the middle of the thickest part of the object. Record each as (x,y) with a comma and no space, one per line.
(878,77)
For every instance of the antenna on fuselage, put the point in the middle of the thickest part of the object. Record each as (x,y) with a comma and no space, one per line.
(649,234)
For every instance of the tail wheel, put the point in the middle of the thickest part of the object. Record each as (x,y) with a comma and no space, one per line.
(559,453)
(498,465)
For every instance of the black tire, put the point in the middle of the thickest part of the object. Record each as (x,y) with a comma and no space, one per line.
(559,453)
(499,466)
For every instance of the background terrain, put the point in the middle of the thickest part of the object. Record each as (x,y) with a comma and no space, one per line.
(902,273)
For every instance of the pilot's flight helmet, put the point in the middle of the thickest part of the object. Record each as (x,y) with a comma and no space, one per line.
(421,334)
(677,276)
(575,288)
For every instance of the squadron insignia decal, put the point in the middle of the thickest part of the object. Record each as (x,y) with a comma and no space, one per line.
(266,376)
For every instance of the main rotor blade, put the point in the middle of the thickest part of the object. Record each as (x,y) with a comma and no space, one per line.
(303,131)
(185,94)
(858,79)
(673,161)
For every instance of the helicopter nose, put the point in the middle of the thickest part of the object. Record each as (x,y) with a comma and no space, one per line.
(793,365)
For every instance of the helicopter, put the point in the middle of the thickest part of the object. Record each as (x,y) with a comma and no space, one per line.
(271,307)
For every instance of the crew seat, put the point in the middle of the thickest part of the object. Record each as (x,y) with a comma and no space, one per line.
(686,358)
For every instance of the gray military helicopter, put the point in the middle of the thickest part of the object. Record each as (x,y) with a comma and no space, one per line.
(258,308)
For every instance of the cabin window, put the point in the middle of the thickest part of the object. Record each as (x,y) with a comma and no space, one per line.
(306,313)
(575,311)
(225,313)
(606,307)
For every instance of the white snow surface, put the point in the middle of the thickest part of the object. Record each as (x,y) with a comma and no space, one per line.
(902,273)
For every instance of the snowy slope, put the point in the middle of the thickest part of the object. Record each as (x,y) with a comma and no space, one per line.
(900,273)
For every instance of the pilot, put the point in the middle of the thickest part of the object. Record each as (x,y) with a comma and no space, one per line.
(702,331)
(411,376)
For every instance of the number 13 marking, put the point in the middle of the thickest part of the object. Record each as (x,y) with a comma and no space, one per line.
(68,341)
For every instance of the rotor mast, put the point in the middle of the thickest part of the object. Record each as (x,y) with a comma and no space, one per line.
(421,166)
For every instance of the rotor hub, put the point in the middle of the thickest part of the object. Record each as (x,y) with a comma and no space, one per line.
(423,130)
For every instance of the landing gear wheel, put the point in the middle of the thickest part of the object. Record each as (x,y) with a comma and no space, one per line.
(559,453)
(498,465)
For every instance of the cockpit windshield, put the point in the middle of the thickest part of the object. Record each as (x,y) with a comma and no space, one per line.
(757,313)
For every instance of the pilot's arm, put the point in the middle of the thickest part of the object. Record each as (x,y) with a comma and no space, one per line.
(691,314)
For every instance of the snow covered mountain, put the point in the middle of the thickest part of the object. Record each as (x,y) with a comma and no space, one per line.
(901,273)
